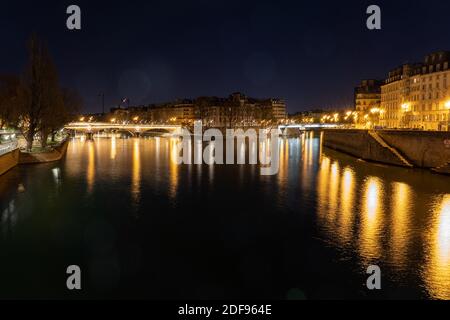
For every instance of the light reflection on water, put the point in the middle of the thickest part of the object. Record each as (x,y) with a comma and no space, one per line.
(378,214)
(437,246)
(347,206)
(400,220)
(370,236)
(90,178)
(369,213)
(136,173)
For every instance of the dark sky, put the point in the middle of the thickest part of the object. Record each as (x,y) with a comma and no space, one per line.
(311,53)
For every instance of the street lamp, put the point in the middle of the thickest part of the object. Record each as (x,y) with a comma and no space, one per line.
(405,107)
(447,105)
(103,101)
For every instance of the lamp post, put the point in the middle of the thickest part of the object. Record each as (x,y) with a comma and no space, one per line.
(103,102)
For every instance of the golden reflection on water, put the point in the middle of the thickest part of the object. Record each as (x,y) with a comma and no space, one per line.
(307,150)
(400,222)
(333,193)
(173,168)
(90,172)
(371,219)
(347,207)
(437,267)
(284,163)
(310,146)
(113,147)
(322,187)
(136,171)
(366,214)
(379,221)
(307,174)
(157,153)
(336,196)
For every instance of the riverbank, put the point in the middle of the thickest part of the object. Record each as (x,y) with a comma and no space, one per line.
(16,157)
(55,154)
(9,160)
(424,149)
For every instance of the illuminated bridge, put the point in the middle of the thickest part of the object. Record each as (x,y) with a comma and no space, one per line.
(133,129)
(139,129)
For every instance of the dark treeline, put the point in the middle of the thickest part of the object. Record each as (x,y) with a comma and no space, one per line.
(34,102)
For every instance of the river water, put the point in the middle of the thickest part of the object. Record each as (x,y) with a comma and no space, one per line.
(140,226)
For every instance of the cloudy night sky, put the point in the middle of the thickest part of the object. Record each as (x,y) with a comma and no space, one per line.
(311,53)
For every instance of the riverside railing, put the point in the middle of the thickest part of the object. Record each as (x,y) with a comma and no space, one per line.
(8,147)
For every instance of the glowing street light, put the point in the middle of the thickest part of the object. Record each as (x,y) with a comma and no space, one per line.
(447,104)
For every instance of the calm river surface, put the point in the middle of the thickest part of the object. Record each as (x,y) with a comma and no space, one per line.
(140,226)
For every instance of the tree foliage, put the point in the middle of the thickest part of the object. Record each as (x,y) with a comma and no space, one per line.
(8,100)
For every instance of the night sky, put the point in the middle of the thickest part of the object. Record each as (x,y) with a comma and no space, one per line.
(311,53)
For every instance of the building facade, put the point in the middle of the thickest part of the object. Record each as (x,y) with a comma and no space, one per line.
(368,95)
(237,110)
(417,96)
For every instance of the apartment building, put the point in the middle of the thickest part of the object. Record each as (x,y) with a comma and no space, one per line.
(417,95)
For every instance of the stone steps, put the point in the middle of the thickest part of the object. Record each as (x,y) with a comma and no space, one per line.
(383,143)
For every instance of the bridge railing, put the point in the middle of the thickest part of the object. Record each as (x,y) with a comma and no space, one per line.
(108,125)
(310,126)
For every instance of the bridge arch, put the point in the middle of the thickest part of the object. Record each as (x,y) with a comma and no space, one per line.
(155,131)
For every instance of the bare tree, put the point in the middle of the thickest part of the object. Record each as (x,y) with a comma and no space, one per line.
(39,94)
(72,103)
(66,103)
(8,100)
